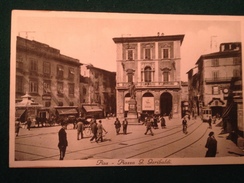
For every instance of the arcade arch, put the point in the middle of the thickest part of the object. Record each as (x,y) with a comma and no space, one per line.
(165,103)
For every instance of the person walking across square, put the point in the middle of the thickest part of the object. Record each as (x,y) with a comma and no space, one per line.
(211,145)
(149,122)
(100,130)
(80,128)
(184,124)
(117,125)
(94,129)
(125,124)
(63,142)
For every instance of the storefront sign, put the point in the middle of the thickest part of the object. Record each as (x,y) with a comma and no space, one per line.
(148,103)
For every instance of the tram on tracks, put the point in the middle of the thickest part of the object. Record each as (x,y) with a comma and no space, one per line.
(206,113)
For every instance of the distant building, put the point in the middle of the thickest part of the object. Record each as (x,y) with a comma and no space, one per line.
(98,87)
(52,79)
(184,99)
(193,91)
(152,64)
(215,73)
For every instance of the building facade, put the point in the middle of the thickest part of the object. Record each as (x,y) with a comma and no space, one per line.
(152,65)
(215,73)
(50,78)
(98,88)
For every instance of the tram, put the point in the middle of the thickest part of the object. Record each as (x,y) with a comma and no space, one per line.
(206,113)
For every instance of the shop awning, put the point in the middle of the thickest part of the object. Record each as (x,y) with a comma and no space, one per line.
(67,111)
(19,113)
(92,108)
(227,110)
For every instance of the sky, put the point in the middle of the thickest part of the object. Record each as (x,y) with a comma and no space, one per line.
(88,36)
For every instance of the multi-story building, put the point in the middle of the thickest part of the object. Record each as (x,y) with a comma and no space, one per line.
(50,78)
(98,88)
(184,98)
(193,91)
(215,73)
(152,64)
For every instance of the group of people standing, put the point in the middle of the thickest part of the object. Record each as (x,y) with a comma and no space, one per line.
(117,125)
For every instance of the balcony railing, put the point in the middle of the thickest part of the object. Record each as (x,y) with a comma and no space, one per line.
(168,84)
(218,80)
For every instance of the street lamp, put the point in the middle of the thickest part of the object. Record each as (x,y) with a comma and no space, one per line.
(198,104)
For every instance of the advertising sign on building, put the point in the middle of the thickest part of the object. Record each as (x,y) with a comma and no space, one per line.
(148,103)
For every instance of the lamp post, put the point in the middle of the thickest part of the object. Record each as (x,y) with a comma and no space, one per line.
(198,104)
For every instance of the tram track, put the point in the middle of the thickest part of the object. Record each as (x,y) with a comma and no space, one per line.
(123,145)
(144,143)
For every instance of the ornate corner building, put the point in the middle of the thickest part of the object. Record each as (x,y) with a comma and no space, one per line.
(51,78)
(152,63)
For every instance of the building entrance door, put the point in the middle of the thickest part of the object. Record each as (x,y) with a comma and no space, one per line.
(165,103)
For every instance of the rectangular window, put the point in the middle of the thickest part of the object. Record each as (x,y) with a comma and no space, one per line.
(19,84)
(130,55)
(34,65)
(33,86)
(19,63)
(97,86)
(165,76)
(60,72)
(236,73)
(237,61)
(97,98)
(166,53)
(215,75)
(215,62)
(60,88)
(215,90)
(71,89)
(71,73)
(46,68)
(148,53)
(46,86)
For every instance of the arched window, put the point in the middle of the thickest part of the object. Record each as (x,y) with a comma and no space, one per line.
(147,75)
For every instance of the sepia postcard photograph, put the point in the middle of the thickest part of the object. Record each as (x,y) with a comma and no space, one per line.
(124,89)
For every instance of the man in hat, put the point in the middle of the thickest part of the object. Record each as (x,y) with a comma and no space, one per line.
(100,130)
(63,143)
(94,129)
(80,127)
(211,145)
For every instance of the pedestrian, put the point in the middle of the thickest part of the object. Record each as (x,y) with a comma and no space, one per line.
(211,145)
(155,122)
(170,115)
(80,128)
(100,130)
(94,129)
(62,143)
(184,124)
(117,125)
(149,126)
(214,119)
(210,122)
(125,124)
(28,123)
(162,120)
(17,127)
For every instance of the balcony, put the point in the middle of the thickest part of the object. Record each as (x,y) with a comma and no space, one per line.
(168,84)
(218,80)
